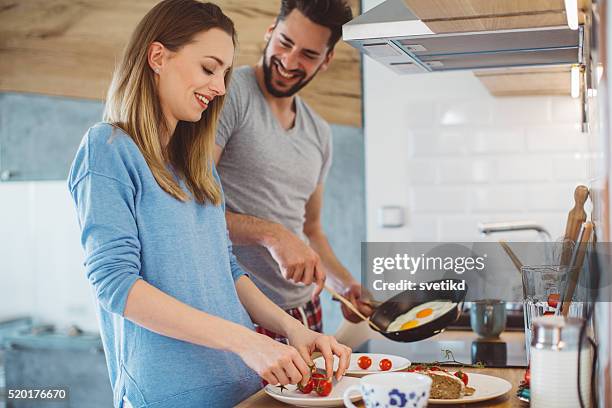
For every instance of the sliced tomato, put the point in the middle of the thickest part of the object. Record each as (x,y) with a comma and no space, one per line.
(385,364)
(364,362)
(419,367)
(462,376)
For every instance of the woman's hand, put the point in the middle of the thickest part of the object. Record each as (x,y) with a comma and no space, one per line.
(307,341)
(275,362)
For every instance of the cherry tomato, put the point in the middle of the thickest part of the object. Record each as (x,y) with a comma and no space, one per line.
(316,378)
(306,389)
(553,299)
(385,364)
(462,376)
(364,362)
(324,387)
(436,368)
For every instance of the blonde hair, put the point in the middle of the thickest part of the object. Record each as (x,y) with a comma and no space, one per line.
(133,104)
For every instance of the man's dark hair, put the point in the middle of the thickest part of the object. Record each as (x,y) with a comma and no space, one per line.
(328,13)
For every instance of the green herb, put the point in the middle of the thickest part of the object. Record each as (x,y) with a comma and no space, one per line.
(449,360)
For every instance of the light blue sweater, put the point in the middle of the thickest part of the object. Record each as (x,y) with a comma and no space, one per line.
(132,229)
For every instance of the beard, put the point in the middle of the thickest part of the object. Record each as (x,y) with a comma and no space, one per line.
(272,90)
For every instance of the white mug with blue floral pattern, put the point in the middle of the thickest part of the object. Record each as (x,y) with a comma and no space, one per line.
(392,390)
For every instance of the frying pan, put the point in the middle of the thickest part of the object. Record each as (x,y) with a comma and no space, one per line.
(399,304)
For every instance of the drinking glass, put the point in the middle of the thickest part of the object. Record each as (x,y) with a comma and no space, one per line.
(543,287)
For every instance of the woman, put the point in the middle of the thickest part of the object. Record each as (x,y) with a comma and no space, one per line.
(175,308)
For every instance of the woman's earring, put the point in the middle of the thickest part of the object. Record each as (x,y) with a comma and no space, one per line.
(156,70)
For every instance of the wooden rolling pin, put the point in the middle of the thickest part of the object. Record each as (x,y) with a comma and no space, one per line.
(575,218)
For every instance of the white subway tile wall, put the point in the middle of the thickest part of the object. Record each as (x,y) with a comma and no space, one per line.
(494,139)
(471,157)
(433,199)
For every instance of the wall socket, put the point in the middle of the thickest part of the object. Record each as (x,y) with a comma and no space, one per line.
(391,216)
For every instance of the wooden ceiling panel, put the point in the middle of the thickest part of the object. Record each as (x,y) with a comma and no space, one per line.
(443,16)
(545,19)
(527,81)
(449,9)
(69,48)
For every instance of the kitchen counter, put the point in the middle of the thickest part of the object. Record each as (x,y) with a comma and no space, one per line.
(513,375)
(458,341)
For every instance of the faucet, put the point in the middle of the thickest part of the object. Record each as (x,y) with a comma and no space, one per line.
(509,226)
(495,227)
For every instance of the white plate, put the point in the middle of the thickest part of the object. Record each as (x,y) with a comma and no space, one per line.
(397,364)
(293,396)
(487,387)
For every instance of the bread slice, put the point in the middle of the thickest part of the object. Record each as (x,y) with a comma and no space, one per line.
(445,385)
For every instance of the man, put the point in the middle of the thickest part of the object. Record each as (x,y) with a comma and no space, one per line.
(273,153)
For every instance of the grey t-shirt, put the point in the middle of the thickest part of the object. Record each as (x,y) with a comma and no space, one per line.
(270,173)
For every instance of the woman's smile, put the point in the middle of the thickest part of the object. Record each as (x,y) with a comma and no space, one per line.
(202,100)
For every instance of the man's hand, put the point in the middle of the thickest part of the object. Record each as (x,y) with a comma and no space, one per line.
(358,297)
(297,261)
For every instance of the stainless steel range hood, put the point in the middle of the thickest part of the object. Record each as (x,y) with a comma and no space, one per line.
(394,36)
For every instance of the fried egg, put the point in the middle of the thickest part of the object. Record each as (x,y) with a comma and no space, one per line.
(421,314)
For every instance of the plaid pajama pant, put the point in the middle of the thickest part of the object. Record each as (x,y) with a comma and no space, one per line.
(309,314)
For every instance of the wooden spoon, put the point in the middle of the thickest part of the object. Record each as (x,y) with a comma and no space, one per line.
(515,260)
(352,307)
(575,266)
(575,218)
